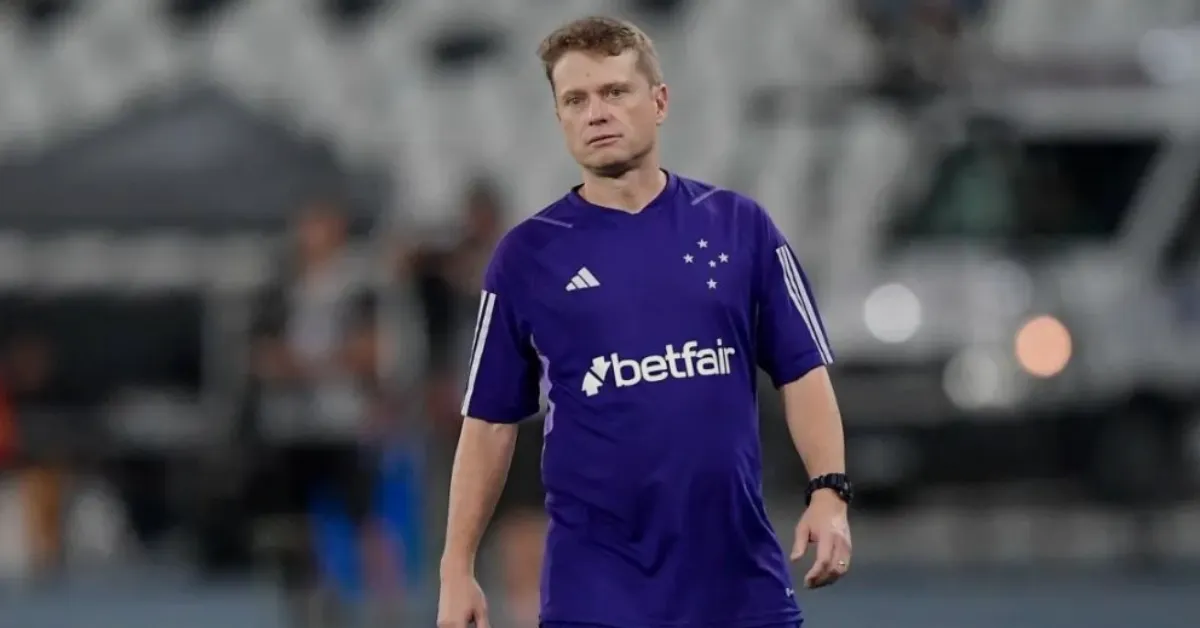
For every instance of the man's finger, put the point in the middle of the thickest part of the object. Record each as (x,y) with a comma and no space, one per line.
(838,565)
(823,563)
(841,557)
(800,545)
(817,576)
(839,568)
(481,618)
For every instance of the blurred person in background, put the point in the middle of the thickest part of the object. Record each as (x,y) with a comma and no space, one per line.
(447,277)
(319,406)
(520,515)
(483,225)
(449,280)
(25,378)
(392,437)
(920,43)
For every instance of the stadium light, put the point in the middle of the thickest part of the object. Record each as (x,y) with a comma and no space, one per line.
(892,313)
(1043,346)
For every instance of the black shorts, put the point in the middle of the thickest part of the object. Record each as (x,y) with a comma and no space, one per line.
(292,477)
(523,491)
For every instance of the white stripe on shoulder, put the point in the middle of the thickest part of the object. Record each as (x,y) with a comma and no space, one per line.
(704,197)
(551,221)
(801,300)
(808,302)
(780,254)
(483,322)
(478,319)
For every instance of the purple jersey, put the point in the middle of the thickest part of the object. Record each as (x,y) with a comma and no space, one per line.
(645,330)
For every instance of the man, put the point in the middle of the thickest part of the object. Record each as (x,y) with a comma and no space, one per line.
(519,513)
(316,389)
(447,278)
(644,301)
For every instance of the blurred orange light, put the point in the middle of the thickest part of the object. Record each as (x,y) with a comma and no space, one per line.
(1043,346)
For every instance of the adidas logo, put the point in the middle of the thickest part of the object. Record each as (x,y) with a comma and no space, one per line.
(582,279)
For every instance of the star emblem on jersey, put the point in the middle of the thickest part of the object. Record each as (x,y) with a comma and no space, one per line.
(582,280)
(712,263)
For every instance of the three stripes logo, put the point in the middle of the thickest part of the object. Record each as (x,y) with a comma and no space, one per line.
(582,280)
(797,291)
(483,324)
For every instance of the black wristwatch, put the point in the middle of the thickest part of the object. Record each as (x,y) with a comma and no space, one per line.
(836,482)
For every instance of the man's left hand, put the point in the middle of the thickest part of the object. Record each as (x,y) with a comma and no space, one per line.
(825,524)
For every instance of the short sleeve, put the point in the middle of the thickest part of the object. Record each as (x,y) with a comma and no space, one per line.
(502,380)
(790,337)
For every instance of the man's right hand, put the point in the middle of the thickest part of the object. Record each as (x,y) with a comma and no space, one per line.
(461,603)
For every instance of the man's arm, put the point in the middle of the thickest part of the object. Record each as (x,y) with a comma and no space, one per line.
(502,389)
(481,465)
(815,423)
(794,350)
(816,428)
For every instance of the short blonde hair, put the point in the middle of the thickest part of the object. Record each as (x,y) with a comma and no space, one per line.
(601,36)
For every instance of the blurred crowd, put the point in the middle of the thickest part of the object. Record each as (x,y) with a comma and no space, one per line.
(227,345)
(324,428)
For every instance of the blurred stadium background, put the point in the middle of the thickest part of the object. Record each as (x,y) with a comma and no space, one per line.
(995,199)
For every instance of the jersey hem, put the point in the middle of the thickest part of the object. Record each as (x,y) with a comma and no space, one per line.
(798,368)
(502,418)
(760,621)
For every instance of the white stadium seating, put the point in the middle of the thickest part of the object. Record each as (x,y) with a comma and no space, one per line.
(375,93)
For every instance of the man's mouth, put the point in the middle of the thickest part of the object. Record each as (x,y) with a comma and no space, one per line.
(603,139)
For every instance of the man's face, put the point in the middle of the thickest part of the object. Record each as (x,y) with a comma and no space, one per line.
(320,230)
(608,110)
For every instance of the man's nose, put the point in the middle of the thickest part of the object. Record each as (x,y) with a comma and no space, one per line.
(597,113)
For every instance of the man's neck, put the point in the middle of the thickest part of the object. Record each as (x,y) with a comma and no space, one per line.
(631,192)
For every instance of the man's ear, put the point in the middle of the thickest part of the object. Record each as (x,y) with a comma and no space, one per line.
(661,102)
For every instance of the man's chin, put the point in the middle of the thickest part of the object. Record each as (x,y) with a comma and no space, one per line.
(610,167)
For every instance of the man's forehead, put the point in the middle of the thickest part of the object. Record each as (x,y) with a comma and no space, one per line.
(583,70)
